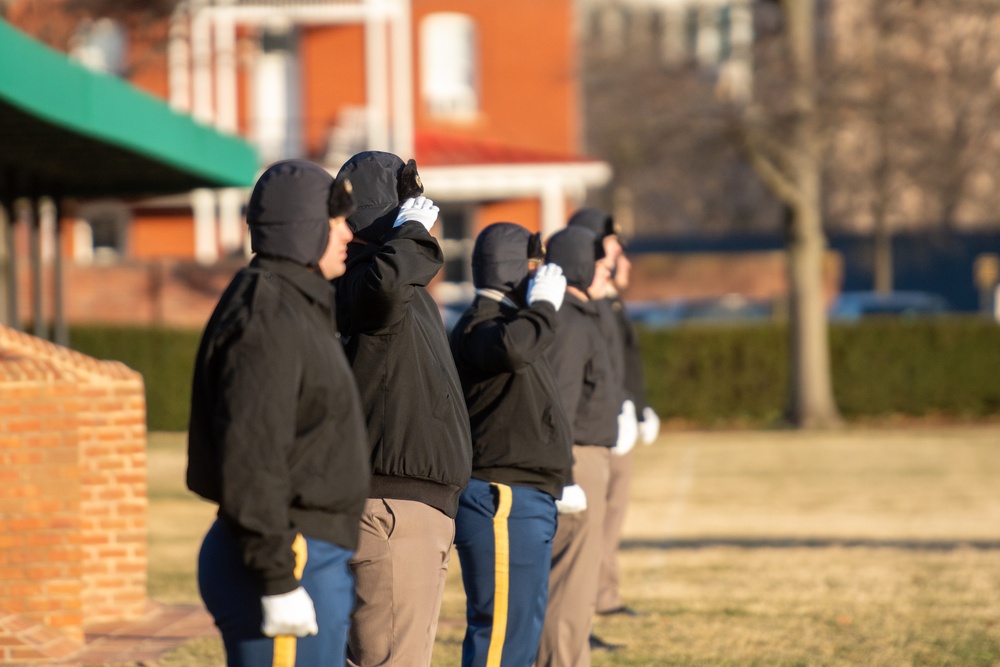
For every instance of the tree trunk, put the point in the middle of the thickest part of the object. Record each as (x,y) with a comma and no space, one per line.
(810,403)
(810,400)
(883,255)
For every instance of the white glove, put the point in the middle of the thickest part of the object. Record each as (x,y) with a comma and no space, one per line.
(649,427)
(548,284)
(420,209)
(289,613)
(572,501)
(628,430)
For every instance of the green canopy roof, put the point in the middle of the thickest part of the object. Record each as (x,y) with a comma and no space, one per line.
(69,131)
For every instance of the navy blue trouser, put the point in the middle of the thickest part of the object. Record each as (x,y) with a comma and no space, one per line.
(232,595)
(503,535)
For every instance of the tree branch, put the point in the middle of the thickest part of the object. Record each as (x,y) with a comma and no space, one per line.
(768,169)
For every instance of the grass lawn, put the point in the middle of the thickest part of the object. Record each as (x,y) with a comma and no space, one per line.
(854,547)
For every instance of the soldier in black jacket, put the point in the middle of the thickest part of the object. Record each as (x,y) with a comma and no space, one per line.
(609,600)
(418,426)
(276,435)
(636,420)
(584,375)
(521,446)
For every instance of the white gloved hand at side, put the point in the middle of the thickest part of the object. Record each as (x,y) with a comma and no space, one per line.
(649,427)
(572,501)
(420,209)
(628,429)
(548,284)
(290,613)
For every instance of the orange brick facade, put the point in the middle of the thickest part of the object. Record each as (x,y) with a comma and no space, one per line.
(72,496)
(158,292)
(526,79)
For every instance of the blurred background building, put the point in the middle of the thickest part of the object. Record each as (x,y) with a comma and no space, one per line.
(522,110)
(485,96)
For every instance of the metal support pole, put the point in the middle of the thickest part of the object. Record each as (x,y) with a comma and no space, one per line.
(6,222)
(13,318)
(61,333)
(35,253)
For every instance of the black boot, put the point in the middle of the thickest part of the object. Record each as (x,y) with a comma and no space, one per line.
(598,644)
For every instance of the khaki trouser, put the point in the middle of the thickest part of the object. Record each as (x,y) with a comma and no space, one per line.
(576,561)
(608,595)
(400,568)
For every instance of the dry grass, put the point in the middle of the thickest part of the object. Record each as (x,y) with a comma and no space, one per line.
(857,547)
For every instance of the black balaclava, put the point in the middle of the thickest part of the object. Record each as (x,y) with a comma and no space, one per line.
(500,257)
(596,220)
(290,209)
(382,181)
(576,250)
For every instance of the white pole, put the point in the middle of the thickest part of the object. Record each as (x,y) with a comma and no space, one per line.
(179,59)
(553,208)
(376,79)
(402,92)
(231,220)
(201,54)
(225,73)
(206,248)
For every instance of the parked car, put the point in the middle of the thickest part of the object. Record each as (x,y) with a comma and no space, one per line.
(852,306)
(726,309)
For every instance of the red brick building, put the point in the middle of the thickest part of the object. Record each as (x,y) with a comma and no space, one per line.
(484,95)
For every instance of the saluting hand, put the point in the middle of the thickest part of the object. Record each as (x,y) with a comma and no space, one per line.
(420,209)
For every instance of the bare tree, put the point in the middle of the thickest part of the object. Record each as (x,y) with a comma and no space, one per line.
(785,143)
(660,124)
(916,92)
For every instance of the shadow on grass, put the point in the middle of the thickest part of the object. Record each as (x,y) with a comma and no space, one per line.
(810,543)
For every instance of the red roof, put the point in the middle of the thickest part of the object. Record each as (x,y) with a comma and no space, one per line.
(438,149)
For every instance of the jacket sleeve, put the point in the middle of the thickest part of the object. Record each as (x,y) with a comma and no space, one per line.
(258,385)
(378,295)
(507,345)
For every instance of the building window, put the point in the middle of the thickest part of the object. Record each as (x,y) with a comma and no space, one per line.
(456,243)
(276,96)
(99,236)
(448,65)
(100,45)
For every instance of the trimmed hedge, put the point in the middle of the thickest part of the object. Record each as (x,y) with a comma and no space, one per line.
(703,375)
(942,367)
(165,357)
(881,367)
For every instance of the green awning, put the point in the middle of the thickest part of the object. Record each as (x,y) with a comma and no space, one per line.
(67,130)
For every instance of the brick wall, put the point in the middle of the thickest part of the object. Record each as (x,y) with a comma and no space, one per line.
(161,292)
(182,294)
(72,491)
(756,275)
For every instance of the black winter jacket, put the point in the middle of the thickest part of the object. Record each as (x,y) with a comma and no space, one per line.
(520,434)
(584,374)
(418,426)
(635,380)
(276,436)
(610,329)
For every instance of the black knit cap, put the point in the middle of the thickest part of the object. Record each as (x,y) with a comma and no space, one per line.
(290,209)
(500,256)
(596,220)
(576,250)
(382,181)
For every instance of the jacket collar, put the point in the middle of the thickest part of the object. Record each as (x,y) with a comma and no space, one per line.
(588,306)
(307,281)
(496,295)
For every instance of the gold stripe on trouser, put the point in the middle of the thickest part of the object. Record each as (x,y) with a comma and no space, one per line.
(501,575)
(284,645)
